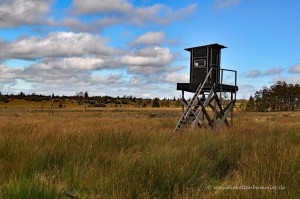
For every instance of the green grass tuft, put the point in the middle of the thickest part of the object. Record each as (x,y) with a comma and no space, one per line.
(34,188)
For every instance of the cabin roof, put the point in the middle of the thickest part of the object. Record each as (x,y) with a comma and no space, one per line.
(214,45)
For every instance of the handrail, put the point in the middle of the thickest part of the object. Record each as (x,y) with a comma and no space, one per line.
(235,80)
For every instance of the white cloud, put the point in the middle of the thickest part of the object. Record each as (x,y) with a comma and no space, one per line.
(24,12)
(142,70)
(175,78)
(72,63)
(274,71)
(58,44)
(152,60)
(268,72)
(92,6)
(94,25)
(295,69)
(135,81)
(8,75)
(150,56)
(254,73)
(150,38)
(110,79)
(48,80)
(77,25)
(121,11)
(66,71)
(220,4)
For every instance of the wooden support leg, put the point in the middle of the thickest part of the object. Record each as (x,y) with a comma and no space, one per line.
(182,104)
(215,107)
(210,122)
(232,109)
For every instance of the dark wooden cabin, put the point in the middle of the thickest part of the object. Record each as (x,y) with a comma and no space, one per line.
(202,59)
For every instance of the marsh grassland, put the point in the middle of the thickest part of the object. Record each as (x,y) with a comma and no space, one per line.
(111,153)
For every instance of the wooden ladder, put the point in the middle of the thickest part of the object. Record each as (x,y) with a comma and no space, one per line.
(190,111)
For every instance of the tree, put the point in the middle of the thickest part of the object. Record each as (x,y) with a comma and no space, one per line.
(250,104)
(80,94)
(86,94)
(155,102)
(279,97)
(22,94)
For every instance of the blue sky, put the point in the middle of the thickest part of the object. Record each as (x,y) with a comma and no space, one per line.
(130,47)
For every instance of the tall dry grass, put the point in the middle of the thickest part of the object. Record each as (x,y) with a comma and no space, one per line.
(129,155)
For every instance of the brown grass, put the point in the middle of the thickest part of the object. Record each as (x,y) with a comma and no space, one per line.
(114,153)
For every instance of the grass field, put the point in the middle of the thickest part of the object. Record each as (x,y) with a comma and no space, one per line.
(124,153)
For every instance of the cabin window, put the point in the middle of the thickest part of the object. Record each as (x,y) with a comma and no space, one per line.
(200,63)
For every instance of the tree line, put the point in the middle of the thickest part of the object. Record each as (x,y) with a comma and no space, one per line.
(279,97)
(83,98)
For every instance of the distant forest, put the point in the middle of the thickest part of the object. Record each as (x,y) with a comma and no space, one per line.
(83,98)
(279,97)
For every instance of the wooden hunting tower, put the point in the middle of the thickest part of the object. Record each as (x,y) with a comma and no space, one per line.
(203,58)
(206,79)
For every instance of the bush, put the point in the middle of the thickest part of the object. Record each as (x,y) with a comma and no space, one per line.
(36,99)
(155,102)
(124,101)
(178,103)
(100,105)
(92,102)
(4,99)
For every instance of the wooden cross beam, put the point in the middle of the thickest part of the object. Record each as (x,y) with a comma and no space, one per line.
(220,107)
(229,107)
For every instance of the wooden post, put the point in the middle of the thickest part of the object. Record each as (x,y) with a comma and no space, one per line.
(182,99)
(215,111)
(215,106)
(232,110)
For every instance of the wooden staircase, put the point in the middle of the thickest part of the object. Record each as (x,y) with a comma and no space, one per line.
(197,114)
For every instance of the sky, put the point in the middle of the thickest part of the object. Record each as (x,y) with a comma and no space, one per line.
(131,47)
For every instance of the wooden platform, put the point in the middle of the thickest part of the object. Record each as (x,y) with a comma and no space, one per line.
(192,87)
